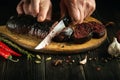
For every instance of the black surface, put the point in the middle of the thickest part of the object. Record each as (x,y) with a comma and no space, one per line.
(100,65)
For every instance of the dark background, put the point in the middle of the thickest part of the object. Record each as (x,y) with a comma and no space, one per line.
(7,8)
(106,10)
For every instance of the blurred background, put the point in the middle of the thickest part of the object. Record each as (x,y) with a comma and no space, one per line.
(106,10)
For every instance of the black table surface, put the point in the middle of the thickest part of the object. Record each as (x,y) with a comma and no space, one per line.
(100,65)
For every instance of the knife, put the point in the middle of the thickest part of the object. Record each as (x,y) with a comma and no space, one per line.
(56,30)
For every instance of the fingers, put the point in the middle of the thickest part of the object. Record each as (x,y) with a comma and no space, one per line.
(48,17)
(42,9)
(26,8)
(73,11)
(89,7)
(78,9)
(35,7)
(19,8)
(45,5)
(81,8)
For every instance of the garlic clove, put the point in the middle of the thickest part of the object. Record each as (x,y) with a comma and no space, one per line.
(114,48)
(84,61)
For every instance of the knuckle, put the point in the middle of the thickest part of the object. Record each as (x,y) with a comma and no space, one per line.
(90,6)
(73,1)
(35,11)
(75,20)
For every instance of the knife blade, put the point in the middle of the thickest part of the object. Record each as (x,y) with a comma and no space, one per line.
(56,30)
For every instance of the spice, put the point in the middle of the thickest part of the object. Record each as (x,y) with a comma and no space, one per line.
(38,56)
(90,59)
(106,60)
(57,62)
(49,58)
(6,48)
(73,61)
(114,48)
(98,68)
(29,55)
(38,61)
(7,55)
(7,52)
(67,61)
(69,57)
(84,61)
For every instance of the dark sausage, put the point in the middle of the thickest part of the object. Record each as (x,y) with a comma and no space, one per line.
(25,24)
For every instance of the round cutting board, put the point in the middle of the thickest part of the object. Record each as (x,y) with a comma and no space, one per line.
(30,42)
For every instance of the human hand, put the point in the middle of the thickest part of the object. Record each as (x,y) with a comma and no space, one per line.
(78,10)
(42,9)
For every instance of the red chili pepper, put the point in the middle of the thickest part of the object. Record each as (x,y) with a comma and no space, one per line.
(7,55)
(5,47)
(4,53)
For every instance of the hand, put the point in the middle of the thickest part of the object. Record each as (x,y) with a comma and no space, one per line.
(78,10)
(42,9)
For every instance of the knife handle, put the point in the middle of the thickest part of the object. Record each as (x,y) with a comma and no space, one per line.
(66,20)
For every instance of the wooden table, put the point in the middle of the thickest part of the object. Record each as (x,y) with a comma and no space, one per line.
(100,65)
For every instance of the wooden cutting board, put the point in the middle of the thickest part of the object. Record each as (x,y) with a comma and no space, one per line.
(30,42)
